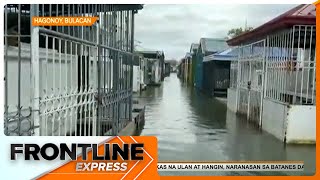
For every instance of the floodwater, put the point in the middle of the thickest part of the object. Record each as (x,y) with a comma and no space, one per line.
(193,127)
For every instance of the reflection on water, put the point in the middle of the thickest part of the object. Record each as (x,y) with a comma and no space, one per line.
(191,126)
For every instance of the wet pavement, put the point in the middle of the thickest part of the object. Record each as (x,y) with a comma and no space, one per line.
(193,127)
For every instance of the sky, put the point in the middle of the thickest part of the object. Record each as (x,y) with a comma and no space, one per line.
(172,28)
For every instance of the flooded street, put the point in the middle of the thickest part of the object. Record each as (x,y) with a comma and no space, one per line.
(193,127)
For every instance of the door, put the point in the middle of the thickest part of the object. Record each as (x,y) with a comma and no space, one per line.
(251,65)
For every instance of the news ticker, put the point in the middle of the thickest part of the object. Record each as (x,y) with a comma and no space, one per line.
(199,166)
(114,157)
(136,156)
(230,166)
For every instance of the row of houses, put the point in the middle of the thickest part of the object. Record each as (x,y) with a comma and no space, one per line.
(148,69)
(267,74)
(207,66)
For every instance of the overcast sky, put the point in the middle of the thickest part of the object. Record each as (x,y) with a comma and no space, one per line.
(172,28)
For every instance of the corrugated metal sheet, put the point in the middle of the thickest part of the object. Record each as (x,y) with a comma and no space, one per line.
(226,55)
(303,14)
(212,45)
(306,10)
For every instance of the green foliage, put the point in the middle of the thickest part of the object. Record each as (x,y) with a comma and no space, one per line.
(237,31)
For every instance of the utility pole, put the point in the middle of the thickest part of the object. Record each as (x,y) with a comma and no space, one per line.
(245,25)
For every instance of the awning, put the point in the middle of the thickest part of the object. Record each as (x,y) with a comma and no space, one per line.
(226,55)
(272,53)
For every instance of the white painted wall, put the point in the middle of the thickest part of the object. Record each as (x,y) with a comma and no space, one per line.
(273,118)
(57,78)
(156,72)
(142,79)
(295,123)
(143,64)
(12,78)
(136,79)
(107,76)
(50,72)
(232,99)
(301,126)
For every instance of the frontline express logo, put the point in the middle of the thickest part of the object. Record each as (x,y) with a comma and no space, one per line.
(106,157)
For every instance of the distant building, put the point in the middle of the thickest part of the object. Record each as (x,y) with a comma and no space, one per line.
(193,51)
(167,69)
(216,69)
(155,66)
(185,69)
(207,46)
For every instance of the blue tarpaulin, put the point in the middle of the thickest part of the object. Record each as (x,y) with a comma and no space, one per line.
(272,53)
(226,55)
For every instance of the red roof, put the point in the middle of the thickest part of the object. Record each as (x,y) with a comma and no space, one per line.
(304,14)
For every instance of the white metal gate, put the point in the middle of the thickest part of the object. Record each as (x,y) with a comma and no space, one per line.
(68,80)
(251,65)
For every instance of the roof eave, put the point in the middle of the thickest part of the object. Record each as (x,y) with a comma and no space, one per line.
(269,28)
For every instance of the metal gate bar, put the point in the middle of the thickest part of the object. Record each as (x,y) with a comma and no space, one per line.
(81,77)
(291,66)
(250,80)
(280,68)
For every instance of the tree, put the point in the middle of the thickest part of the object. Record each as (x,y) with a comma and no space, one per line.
(237,31)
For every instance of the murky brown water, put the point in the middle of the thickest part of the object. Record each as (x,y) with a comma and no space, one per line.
(190,126)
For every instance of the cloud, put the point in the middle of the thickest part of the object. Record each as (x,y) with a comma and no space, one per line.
(172,28)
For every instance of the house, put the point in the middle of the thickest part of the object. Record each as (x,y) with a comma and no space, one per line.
(273,79)
(193,52)
(181,69)
(167,69)
(136,75)
(207,46)
(155,66)
(189,74)
(143,72)
(185,69)
(216,69)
